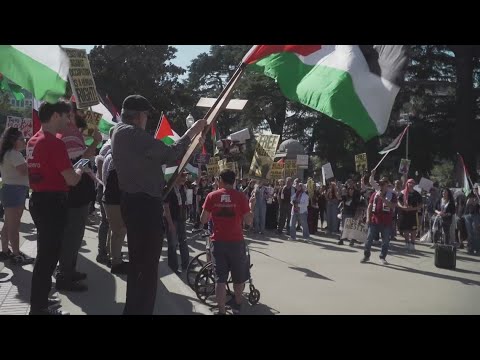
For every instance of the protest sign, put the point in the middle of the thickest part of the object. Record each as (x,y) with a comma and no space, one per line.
(25,125)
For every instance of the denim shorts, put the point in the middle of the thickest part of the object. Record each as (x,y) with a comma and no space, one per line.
(14,195)
(230,256)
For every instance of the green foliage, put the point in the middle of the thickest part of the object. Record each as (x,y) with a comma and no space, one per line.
(443,173)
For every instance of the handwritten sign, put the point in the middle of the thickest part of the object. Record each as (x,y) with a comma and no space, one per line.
(291,168)
(355,229)
(25,125)
(92,119)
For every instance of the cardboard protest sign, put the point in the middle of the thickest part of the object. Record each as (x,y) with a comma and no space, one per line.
(81,78)
(92,119)
(276,172)
(404,166)
(265,150)
(361,163)
(25,125)
(291,168)
(302,161)
(355,229)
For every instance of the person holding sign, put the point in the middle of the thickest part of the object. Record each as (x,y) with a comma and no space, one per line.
(50,173)
(15,184)
(138,159)
(299,213)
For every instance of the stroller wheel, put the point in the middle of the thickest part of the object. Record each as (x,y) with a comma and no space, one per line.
(254,297)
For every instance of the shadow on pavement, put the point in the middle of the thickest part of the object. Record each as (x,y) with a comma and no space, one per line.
(310,273)
(437,275)
(100,298)
(22,279)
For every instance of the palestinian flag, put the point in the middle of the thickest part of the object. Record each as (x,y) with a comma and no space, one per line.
(354,84)
(169,171)
(40,69)
(35,119)
(395,143)
(165,132)
(462,176)
(13,89)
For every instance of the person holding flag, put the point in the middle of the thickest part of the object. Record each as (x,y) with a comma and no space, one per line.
(138,159)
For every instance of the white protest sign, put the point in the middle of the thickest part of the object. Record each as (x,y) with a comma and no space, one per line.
(25,125)
(355,229)
(302,160)
(426,184)
(81,78)
(327,171)
(189,197)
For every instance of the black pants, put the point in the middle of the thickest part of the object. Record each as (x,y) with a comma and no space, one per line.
(322,212)
(143,217)
(285,211)
(49,212)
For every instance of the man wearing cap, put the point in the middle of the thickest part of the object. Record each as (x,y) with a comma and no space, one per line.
(138,160)
(379,219)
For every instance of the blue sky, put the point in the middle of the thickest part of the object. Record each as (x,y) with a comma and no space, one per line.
(185,54)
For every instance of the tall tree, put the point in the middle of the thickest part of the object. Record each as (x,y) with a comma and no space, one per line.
(122,70)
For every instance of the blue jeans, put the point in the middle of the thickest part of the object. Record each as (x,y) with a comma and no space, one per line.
(303,222)
(373,231)
(332,219)
(259,216)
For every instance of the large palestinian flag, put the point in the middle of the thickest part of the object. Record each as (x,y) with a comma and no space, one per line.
(354,84)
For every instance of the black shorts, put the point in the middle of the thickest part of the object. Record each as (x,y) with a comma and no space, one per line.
(408,221)
(230,257)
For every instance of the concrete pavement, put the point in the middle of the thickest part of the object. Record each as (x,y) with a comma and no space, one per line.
(106,293)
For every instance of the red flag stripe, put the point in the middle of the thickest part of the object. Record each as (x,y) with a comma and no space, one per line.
(260,51)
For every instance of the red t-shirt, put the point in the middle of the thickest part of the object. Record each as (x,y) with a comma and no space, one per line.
(47,158)
(381,213)
(227,207)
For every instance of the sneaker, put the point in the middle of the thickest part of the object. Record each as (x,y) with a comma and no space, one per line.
(352,243)
(49,311)
(22,259)
(340,242)
(236,308)
(79,276)
(120,269)
(365,259)
(5,255)
(70,286)
(102,259)
(383,261)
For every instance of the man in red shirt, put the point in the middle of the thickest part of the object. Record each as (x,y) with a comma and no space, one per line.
(379,219)
(50,175)
(228,209)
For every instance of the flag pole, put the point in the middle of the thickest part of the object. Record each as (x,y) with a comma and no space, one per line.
(384,156)
(158,125)
(211,116)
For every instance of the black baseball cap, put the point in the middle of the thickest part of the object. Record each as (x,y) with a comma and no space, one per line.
(137,103)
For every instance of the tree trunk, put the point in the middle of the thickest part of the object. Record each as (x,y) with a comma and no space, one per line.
(464,136)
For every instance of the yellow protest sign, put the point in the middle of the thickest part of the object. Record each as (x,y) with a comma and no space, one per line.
(265,150)
(361,163)
(92,119)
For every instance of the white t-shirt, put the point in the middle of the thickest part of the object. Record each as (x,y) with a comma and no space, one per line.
(10,174)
